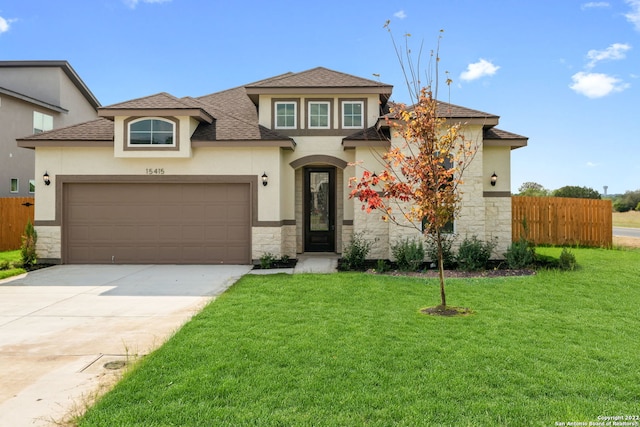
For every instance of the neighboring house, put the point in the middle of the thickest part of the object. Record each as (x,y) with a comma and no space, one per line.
(36,96)
(231,176)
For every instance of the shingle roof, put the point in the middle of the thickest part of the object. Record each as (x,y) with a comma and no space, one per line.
(495,133)
(315,78)
(370,134)
(236,118)
(100,129)
(448,110)
(160,100)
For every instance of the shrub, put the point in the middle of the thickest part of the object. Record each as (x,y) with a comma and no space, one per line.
(621,206)
(381,266)
(474,254)
(567,260)
(4,264)
(267,260)
(448,256)
(520,254)
(28,248)
(355,252)
(409,254)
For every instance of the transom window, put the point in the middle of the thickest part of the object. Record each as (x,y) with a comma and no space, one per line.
(42,122)
(352,117)
(318,115)
(286,115)
(151,132)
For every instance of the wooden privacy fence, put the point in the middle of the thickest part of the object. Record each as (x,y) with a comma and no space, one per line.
(563,221)
(15,212)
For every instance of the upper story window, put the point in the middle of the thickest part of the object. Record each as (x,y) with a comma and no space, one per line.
(286,114)
(318,115)
(13,188)
(152,132)
(352,114)
(42,122)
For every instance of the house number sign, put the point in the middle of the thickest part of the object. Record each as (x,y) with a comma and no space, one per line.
(154,171)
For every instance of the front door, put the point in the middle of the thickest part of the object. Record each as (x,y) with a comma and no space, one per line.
(319,210)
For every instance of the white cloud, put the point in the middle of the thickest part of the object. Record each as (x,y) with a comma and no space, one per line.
(594,5)
(596,85)
(614,52)
(400,14)
(5,24)
(479,69)
(591,164)
(633,15)
(133,3)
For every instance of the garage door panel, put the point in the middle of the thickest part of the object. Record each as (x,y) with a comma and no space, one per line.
(157,223)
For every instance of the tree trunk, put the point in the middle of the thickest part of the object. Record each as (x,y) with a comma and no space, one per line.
(443,298)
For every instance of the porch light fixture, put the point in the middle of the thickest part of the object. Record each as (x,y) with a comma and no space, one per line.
(46,178)
(494,179)
(265,179)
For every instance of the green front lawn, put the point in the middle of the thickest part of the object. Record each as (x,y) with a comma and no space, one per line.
(10,257)
(352,349)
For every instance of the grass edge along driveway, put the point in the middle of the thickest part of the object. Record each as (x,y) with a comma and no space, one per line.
(352,349)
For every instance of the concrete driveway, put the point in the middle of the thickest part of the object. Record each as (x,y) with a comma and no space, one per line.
(63,327)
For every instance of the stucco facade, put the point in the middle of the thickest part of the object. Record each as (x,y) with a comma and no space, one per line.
(50,88)
(290,142)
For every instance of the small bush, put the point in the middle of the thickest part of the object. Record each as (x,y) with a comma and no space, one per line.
(28,248)
(355,252)
(267,260)
(520,254)
(382,266)
(448,256)
(409,254)
(474,254)
(567,260)
(4,264)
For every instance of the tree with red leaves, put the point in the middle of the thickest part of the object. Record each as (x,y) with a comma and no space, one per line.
(420,184)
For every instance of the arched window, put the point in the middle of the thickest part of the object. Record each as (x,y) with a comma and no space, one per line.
(152,132)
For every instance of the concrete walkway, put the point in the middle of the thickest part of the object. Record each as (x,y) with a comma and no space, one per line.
(309,262)
(62,327)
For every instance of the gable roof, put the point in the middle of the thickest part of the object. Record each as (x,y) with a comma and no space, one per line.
(65,67)
(318,80)
(499,137)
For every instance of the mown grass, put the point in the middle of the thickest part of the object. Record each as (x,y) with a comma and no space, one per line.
(10,257)
(352,349)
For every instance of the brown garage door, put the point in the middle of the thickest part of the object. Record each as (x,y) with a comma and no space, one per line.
(157,223)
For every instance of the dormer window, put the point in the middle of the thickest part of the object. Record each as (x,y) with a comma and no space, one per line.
(152,132)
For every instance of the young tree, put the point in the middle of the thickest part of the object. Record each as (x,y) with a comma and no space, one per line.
(420,184)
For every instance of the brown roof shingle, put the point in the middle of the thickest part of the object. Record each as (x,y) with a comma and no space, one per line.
(100,129)
(316,78)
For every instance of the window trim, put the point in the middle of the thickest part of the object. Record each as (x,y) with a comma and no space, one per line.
(360,101)
(328,103)
(151,147)
(41,116)
(17,181)
(296,113)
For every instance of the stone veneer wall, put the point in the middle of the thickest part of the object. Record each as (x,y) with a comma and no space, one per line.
(266,240)
(289,240)
(49,244)
(498,223)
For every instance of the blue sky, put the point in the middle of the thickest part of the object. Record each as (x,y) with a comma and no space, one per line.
(564,73)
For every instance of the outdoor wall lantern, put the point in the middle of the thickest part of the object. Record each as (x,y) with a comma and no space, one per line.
(494,178)
(265,179)
(46,178)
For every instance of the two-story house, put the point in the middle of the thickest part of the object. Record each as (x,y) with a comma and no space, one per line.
(230,176)
(36,96)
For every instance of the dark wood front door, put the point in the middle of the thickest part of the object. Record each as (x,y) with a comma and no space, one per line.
(319,210)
